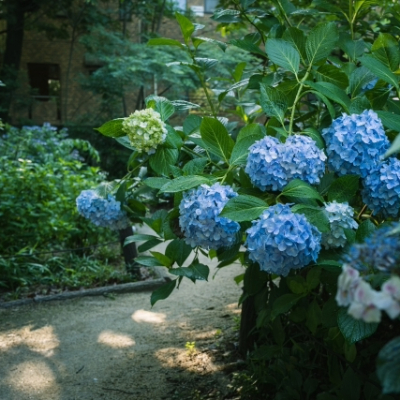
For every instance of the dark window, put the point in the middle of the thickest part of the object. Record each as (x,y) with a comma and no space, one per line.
(45,80)
(210,5)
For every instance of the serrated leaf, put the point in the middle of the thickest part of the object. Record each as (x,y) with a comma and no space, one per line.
(283,54)
(326,101)
(380,70)
(124,140)
(198,40)
(255,130)
(388,366)
(331,91)
(358,79)
(162,159)
(352,329)
(162,292)
(194,272)
(390,120)
(162,105)
(206,63)
(156,183)
(273,102)
(315,216)
(182,105)
(365,229)
(191,124)
(148,245)
(284,303)
(386,50)
(353,48)
(227,16)
(187,27)
(112,128)
(332,74)
(216,138)
(248,45)
(243,208)
(299,189)
(162,258)
(183,183)
(241,150)
(297,38)
(164,42)
(321,41)
(106,188)
(344,188)
(178,251)
(148,261)
(195,166)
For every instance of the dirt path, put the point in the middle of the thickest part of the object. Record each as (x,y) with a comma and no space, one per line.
(99,348)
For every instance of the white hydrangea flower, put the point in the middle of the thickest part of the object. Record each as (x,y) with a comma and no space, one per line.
(391,288)
(347,284)
(145,130)
(340,217)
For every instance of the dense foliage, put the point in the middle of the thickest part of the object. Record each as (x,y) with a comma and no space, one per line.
(43,171)
(308,181)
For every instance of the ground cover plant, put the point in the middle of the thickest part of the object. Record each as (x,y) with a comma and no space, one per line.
(44,242)
(302,187)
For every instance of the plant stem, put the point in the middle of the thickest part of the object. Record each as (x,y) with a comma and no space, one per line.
(298,96)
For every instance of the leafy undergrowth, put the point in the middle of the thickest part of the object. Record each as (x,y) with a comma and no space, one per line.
(65,272)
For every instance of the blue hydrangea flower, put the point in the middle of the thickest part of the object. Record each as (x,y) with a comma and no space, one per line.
(105,212)
(199,217)
(340,217)
(281,240)
(355,143)
(271,165)
(381,192)
(379,252)
(370,85)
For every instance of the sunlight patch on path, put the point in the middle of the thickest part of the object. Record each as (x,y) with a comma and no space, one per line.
(141,316)
(115,340)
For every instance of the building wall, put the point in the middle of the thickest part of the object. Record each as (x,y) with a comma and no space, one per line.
(74,102)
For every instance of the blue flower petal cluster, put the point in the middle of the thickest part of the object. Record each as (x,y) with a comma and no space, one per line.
(381,192)
(379,252)
(281,240)
(199,217)
(355,143)
(340,217)
(105,212)
(370,85)
(271,165)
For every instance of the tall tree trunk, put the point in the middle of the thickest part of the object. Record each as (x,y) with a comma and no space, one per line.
(15,16)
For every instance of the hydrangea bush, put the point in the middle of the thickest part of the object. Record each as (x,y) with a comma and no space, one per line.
(301,187)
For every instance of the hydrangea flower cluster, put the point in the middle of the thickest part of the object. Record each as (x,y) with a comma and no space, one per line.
(271,165)
(379,252)
(365,302)
(145,130)
(355,143)
(340,217)
(199,217)
(381,192)
(281,240)
(104,212)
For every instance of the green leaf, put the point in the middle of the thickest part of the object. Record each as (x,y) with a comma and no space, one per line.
(352,329)
(353,48)
(241,150)
(351,385)
(297,39)
(162,159)
(314,316)
(195,166)
(162,292)
(386,50)
(313,277)
(332,92)
(316,136)
(282,53)
(206,63)
(162,105)
(106,188)
(328,104)
(254,279)
(148,261)
(191,124)
(365,229)
(359,104)
(321,41)
(173,139)
(248,45)
(388,366)
(284,303)
(216,138)
(380,70)
(315,216)
(198,40)
(156,183)
(226,16)
(162,258)
(164,42)
(331,74)
(395,147)
(359,78)
(138,238)
(196,271)
(148,245)
(124,140)
(184,183)
(273,102)
(112,128)
(178,251)
(244,208)
(390,120)
(299,189)
(187,27)
(255,130)
(344,188)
